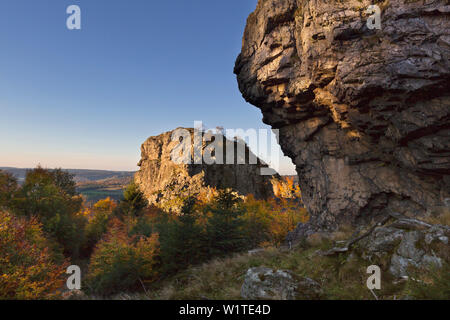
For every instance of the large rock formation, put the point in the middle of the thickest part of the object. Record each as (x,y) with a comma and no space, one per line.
(166,182)
(364,114)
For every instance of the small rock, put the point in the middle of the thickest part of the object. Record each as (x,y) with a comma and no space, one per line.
(399,266)
(431,261)
(267,284)
(255,251)
(383,239)
(443,239)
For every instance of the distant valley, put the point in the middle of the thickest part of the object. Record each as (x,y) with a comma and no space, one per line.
(92,184)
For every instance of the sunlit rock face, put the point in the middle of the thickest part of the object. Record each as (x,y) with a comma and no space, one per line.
(363,113)
(166,182)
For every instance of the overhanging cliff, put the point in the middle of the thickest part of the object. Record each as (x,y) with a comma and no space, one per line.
(364,114)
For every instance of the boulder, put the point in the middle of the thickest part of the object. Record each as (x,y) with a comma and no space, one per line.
(406,243)
(267,284)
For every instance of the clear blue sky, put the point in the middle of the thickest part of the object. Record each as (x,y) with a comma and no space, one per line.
(88,98)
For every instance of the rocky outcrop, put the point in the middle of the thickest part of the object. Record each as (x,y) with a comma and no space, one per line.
(399,244)
(408,243)
(267,284)
(364,114)
(165,182)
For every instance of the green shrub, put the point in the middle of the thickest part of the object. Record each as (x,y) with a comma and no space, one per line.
(433,284)
(51,196)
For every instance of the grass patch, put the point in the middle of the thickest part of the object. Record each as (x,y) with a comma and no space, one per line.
(341,277)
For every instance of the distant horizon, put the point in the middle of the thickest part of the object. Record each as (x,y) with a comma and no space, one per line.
(92,169)
(63,168)
(89,98)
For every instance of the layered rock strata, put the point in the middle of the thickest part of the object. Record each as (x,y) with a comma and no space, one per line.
(363,113)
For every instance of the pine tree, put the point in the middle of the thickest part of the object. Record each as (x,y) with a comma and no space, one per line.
(134,201)
(224,228)
(181,240)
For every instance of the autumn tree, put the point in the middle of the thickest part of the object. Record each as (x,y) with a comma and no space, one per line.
(120,262)
(51,196)
(98,220)
(267,222)
(27,268)
(8,187)
(286,188)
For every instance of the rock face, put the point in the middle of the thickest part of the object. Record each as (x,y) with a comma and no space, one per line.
(165,182)
(266,284)
(364,114)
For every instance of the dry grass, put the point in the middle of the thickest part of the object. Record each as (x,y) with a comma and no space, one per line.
(341,277)
(439,215)
(218,279)
(221,279)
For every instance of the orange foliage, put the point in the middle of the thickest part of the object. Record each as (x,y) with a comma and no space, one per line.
(121,262)
(286,188)
(99,217)
(206,195)
(85,211)
(106,205)
(271,220)
(26,267)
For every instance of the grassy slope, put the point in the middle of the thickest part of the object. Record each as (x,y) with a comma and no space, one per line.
(222,278)
(341,277)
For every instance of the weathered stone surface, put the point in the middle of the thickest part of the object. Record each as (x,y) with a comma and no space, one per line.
(165,182)
(364,114)
(267,284)
(398,245)
(410,254)
(383,239)
(408,243)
